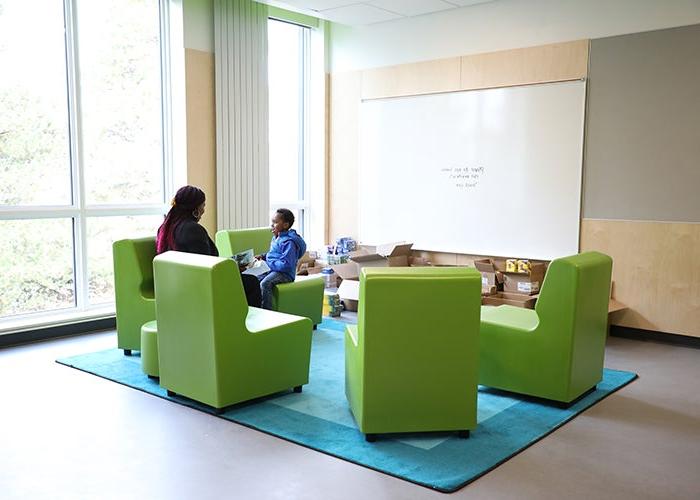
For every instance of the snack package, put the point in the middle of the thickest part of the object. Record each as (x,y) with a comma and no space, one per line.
(331,305)
(524,266)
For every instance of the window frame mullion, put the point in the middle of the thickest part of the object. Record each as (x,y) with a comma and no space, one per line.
(76,156)
(305,114)
(166,99)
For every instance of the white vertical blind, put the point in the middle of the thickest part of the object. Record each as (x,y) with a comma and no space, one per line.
(242,172)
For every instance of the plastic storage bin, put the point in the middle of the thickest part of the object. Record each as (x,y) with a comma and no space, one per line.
(329,277)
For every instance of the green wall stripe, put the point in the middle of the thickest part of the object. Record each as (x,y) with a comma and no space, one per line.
(292,17)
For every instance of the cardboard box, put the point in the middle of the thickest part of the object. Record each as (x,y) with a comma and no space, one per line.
(527,283)
(418,261)
(347,271)
(349,288)
(389,255)
(491,274)
(349,292)
(396,254)
(306,262)
(306,259)
(510,299)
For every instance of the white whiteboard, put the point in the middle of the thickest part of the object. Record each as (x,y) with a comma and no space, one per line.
(484,172)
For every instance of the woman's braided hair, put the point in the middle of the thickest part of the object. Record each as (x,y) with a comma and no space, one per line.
(186,201)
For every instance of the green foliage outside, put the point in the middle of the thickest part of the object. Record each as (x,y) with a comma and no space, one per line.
(120,141)
(37,265)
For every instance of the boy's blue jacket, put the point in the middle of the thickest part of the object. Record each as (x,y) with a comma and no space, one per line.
(284,253)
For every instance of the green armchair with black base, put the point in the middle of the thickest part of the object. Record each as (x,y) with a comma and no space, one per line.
(302,298)
(411,362)
(133,289)
(555,351)
(215,349)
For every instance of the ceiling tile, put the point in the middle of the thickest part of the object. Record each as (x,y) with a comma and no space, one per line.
(412,7)
(359,14)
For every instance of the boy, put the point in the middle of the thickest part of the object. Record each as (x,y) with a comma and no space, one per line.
(285,249)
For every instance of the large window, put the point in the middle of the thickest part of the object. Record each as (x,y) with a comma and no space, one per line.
(82,160)
(288,73)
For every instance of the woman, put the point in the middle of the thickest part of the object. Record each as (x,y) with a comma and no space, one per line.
(181,231)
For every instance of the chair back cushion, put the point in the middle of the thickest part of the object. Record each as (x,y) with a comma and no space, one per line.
(133,288)
(573,313)
(418,332)
(133,265)
(201,310)
(233,241)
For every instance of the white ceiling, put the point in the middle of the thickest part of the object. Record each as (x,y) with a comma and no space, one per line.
(354,13)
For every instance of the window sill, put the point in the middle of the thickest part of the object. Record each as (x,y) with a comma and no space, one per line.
(54,319)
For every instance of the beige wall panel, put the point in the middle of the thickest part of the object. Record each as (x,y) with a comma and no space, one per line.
(655,269)
(546,63)
(201,129)
(345,92)
(468,260)
(442,75)
(438,258)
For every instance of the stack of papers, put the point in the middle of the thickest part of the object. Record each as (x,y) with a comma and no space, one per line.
(257,268)
(253,266)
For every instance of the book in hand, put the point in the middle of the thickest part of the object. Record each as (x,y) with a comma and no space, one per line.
(257,268)
(244,258)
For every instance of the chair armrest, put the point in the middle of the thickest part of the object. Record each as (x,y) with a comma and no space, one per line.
(298,286)
(354,370)
(301,298)
(281,335)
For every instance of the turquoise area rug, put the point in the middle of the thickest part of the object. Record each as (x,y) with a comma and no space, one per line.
(319,418)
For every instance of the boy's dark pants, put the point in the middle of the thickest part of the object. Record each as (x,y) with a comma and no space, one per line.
(268,281)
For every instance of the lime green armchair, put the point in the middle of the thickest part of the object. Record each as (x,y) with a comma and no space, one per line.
(411,362)
(215,349)
(555,351)
(301,298)
(133,289)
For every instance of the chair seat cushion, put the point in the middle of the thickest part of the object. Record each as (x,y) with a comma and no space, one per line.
(262,319)
(511,317)
(150,327)
(149,349)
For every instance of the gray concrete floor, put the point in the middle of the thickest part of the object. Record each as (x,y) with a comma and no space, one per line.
(65,434)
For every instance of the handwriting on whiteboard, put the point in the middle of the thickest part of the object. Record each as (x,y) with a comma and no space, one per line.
(463,177)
